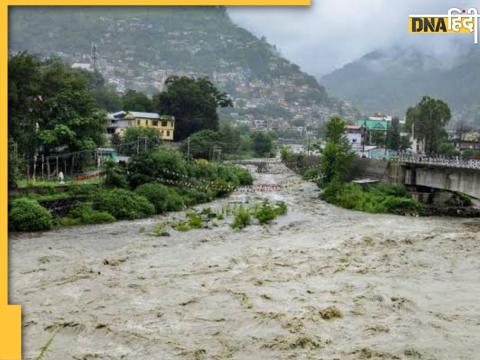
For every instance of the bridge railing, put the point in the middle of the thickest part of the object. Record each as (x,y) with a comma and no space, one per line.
(456,162)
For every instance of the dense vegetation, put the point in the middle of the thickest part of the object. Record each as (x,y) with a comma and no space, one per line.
(154,182)
(52,107)
(56,111)
(429,118)
(334,173)
(229,142)
(193,102)
(140,45)
(27,215)
(373,199)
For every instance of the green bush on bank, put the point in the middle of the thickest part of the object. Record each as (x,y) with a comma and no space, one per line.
(123,204)
(85,214)
(169,166)
(192,196)
(380,198)
(162,197)
(186,183)
(28,215)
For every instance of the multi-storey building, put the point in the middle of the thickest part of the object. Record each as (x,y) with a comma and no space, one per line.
(120,121)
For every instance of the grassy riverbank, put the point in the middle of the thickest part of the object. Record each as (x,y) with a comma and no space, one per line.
(153,183)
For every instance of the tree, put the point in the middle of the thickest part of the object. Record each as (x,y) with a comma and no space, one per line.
(230,138)
(447,149)
(106,96)
(51,107)
(428,120)
(161,164)
(200,144)
(23,89)
(262,144)
(138,139)
(337,156)
(193,102)
(393,135)
(137,101)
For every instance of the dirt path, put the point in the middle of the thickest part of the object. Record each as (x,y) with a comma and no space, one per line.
(405,288)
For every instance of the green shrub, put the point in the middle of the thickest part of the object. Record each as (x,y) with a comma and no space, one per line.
(195,221)
(379,198)
(280,208)
(161,196)
(115,175)
(311,174)
(192,196)
(266,212)
(222,188)
(175,201)
(159,230)
(182,226)
(68,221)
(87,215)
(462,199)
(123,204)
(161,164)
(242,218)
(28,215)
(244,176)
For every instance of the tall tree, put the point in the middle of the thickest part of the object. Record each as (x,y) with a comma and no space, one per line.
(337,156)
(427,120)
(193,102)
(24,77)
(51,107)
(136,101)
(393,135)
(262,144)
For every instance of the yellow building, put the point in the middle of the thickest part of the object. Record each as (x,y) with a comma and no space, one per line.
(164,124)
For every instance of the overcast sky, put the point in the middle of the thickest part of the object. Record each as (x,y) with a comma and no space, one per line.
(331,33)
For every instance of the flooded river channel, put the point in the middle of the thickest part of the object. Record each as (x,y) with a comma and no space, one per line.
(318,283)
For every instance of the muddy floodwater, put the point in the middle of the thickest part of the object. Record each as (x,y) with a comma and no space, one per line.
(318,283)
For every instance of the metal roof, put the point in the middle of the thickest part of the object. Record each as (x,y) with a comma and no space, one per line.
(373,124)
(144,115)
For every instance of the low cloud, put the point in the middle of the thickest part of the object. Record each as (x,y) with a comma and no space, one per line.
(331,33)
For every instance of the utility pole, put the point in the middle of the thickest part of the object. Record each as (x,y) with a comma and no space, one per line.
(93,57)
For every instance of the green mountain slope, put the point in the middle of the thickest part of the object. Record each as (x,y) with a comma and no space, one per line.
(391,80)
(138,47)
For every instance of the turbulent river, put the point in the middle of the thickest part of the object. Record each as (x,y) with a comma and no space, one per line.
(318,283)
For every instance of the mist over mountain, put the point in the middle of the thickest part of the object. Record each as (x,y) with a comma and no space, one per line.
(139,47)
(390,80)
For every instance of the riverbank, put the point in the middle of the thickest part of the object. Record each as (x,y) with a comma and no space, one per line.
(320,282)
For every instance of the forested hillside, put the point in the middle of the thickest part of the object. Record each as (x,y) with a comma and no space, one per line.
(140,47)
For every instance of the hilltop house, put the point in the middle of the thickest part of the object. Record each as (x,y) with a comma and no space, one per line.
(120,121)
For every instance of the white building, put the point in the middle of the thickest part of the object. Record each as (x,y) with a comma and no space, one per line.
(354,136)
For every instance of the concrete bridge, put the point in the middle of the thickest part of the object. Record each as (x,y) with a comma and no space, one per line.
(452,175)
